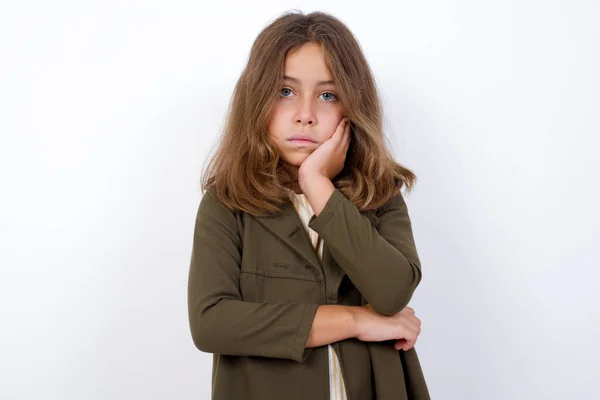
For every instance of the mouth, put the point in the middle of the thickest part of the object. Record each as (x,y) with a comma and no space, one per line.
(302,139)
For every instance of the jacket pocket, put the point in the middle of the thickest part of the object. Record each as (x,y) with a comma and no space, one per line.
(282,282)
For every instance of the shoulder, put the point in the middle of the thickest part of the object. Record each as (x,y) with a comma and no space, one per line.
(214,218)
(210,196)
(395,202)
(211,205)
(210,199)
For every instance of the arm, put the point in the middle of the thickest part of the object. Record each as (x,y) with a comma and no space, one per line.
(220,321)
(333,323)
(382,263)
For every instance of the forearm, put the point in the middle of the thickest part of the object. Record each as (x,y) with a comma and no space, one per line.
(240,328)
(333,323)
(382,262)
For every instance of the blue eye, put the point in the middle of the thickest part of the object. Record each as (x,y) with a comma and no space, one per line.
(330,94)
(287,92)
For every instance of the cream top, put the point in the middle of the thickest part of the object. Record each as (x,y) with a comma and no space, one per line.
(337,390)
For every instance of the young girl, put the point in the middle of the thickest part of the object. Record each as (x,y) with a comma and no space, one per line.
(303,257)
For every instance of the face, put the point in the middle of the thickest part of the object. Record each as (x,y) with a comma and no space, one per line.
(308,110)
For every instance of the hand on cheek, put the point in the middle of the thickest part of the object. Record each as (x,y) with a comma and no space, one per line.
(329,158)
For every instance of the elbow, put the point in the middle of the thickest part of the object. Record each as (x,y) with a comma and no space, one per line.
(393,306)
(397,293)
(201,336)
(202,339)
(204,336)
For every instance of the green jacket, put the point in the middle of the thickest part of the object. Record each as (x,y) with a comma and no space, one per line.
(255,284)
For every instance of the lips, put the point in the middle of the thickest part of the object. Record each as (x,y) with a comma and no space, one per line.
(302,138)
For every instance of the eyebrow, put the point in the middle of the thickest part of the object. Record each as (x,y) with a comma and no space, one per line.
(320,83)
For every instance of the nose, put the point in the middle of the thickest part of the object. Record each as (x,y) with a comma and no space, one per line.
(305,114)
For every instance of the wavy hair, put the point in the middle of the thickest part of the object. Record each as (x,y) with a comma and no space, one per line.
(246,170)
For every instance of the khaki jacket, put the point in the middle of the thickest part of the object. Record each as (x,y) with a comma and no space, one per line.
(255,284)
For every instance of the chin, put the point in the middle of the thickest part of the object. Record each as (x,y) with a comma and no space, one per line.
(295,159)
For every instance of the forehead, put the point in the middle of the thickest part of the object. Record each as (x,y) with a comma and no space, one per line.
(307,64)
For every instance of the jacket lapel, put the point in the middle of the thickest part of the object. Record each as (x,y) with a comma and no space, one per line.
(288,227)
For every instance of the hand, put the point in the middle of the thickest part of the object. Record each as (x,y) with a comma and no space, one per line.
(329,158)
(403,326)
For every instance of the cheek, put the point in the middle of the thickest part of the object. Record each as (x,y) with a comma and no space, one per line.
(330,122)
(276,124)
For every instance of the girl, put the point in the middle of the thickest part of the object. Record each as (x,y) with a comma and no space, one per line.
(303,258)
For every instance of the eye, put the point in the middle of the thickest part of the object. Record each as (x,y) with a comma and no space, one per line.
(327,96)
(330,96)
(285,90)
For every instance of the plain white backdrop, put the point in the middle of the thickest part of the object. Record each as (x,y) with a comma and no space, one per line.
(108,110)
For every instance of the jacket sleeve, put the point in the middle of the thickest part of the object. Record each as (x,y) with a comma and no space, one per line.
(382,262)
(220,321)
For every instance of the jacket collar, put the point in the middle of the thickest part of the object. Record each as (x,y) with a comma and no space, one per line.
(288,227)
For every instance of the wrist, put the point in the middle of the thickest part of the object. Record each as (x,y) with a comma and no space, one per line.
(308,178)
(356,317)
(305,175)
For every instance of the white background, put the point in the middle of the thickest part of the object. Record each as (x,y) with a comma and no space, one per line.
(109,109)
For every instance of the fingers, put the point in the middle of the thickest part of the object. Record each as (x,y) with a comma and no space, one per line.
(399,343)
(346,137)
(412,327)
(339,130)
(403,344)
(342,129)
(343,135)
(415,324)
(411,331)
(408,310)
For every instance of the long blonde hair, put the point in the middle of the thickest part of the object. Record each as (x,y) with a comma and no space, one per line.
(246,169)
